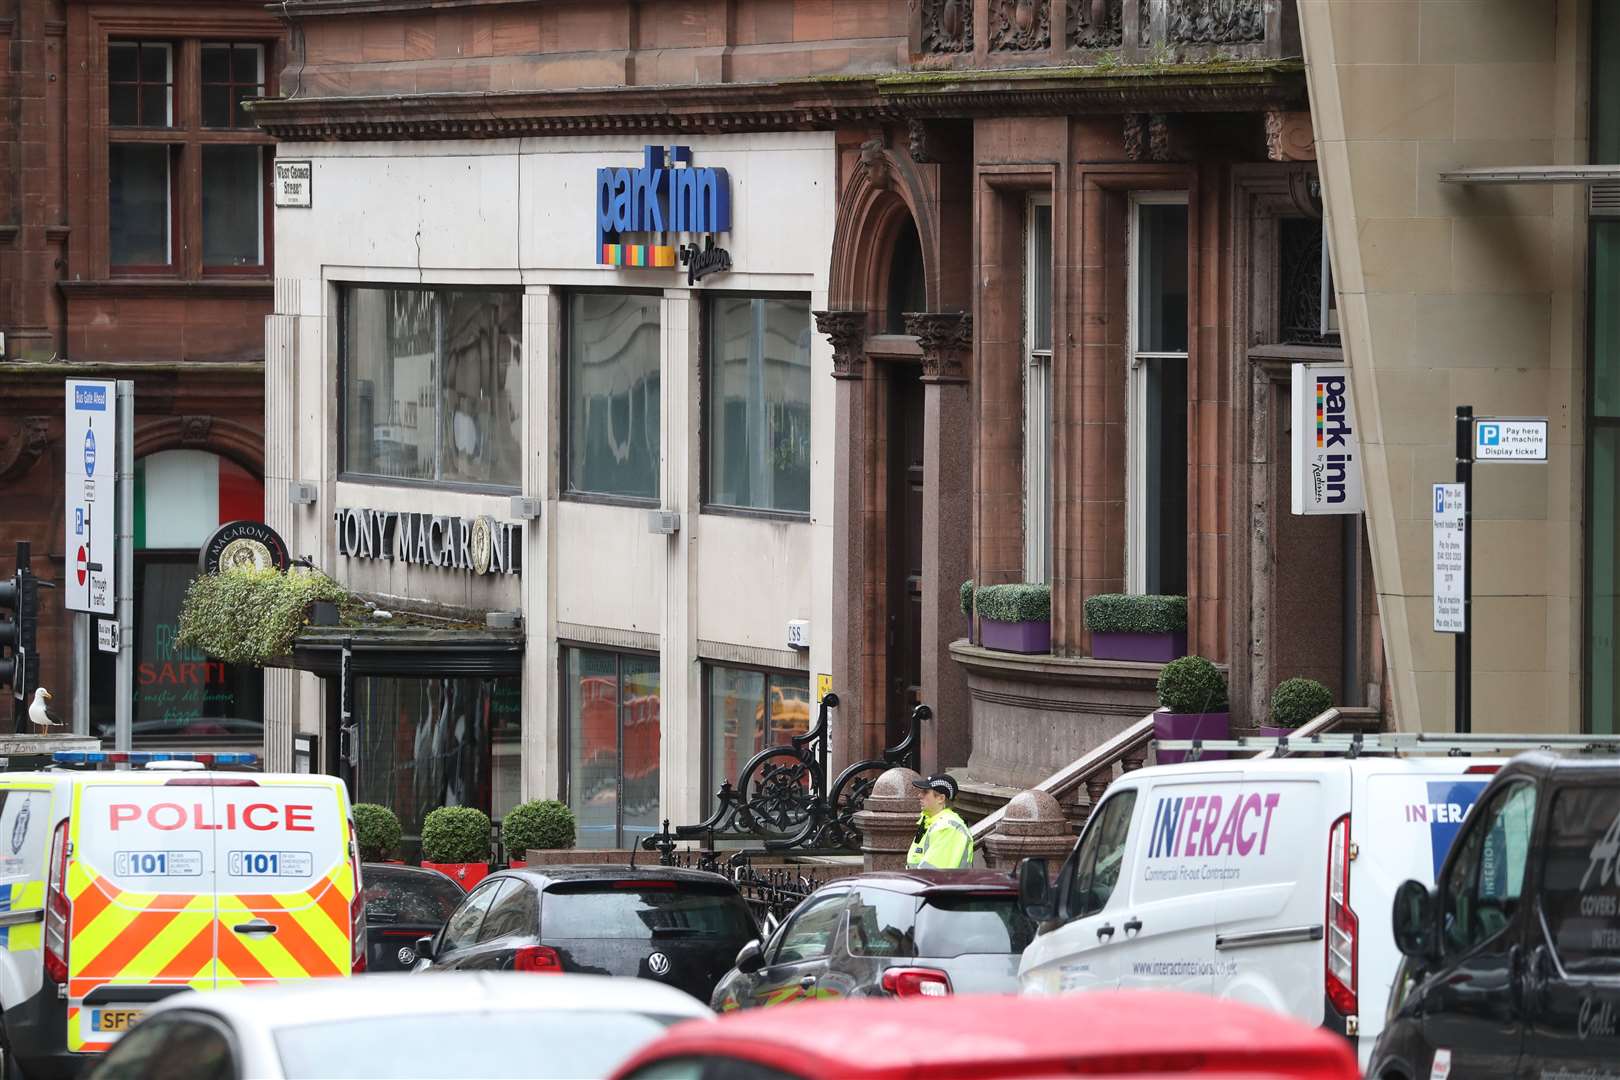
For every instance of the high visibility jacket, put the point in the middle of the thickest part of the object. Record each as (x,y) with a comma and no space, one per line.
(942,843)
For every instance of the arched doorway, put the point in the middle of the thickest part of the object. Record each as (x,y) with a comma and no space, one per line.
(183,698)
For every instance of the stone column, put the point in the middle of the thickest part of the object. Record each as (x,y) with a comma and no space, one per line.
(888,821)
(947,342)
(1034,826)
(851,465)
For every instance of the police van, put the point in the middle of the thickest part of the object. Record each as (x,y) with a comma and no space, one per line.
(119,888)
(1264,881)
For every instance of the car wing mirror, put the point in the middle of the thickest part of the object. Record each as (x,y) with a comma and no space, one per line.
(1035,894)
(424,947)
(750,958)
(1414,923)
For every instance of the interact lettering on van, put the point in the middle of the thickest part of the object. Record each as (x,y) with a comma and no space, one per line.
(1204,826)
(1450,802)
(171,816)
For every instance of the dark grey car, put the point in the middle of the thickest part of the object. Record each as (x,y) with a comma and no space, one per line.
(911,934)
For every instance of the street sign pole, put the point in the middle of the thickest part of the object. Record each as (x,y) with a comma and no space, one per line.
(123,718)
(81,673)
(1464,721)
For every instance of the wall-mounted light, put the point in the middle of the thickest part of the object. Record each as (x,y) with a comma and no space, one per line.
(664,522)
(525,508)
(302,493)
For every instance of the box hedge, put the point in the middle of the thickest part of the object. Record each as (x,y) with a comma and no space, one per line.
(965,596)
(455,834)
(539,823)
(1122,613)
(1299,701)
(1192,685)
(376,830)
(1014,603)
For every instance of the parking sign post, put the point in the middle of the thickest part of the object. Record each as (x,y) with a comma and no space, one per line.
(1464,718)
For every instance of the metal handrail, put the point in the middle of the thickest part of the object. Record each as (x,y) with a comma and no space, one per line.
(1330,721)
(1128,744)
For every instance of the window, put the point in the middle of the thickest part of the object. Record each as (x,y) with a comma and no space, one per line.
(882,923)
(1102,849)
(613,707)
(432,385)
(462,929)
(757,420)
(175,130)
(1581,889)
(1156,530)
(951,926)
(432,742)
(643,911)
(748,711)
(809,934)
(1038,389)
(513,914)
(613,434)
(175,1045)
(1482,891)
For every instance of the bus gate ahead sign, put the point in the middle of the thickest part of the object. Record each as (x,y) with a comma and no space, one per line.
(1510,439)
(91,487)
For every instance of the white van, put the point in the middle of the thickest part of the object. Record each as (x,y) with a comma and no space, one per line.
(118,889)
(1269,882)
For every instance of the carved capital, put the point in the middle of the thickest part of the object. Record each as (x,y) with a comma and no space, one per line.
(946,338)
(921,145)
(1289,136)
(1147,137)
(194,430)
(24,447)
(847,332)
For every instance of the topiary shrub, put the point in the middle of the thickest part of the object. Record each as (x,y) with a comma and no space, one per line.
(251,616)
(1122,613)
(376,831)
(540,823)
(455,834)
(965,596)
(1014,603)
(1299,701)
(1192,685)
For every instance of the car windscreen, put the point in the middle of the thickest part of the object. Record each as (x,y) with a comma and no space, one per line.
(951,925)
(463,1045)
(644,910)
(404,897)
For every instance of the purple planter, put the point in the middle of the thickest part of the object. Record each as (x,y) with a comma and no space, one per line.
(1143,648)
(1203,725)
(1269,732)
(1020,637)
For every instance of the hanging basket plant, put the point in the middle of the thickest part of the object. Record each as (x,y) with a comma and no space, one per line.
(251,616)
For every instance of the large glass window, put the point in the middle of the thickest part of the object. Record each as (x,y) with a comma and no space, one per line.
(427,743)
(140,84)
(613,703)
(613,428)
(138,204)
(1156,543)
(433,386)
(758,414)
(748,711)
(1038,389)
(231,73)
(183,698)
(233,205)
(1486,879)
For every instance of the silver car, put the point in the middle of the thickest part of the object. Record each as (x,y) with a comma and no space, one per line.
(457,1025)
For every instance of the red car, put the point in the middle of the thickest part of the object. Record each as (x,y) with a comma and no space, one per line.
(1115,1034)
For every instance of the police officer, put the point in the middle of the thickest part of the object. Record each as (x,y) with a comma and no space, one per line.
(942,841)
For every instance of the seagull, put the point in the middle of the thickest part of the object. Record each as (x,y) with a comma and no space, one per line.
(36,711)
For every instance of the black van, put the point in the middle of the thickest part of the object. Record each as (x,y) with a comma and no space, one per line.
(1513,959)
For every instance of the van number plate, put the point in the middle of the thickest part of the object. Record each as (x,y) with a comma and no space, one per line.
(271,863)
(158,864)
(114,1019)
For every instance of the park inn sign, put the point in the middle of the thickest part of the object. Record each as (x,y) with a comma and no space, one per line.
(480,545)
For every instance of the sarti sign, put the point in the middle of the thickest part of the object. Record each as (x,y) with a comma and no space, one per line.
(663,198)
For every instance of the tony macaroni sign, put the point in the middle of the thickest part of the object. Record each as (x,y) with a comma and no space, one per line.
(481,545)
(661,199)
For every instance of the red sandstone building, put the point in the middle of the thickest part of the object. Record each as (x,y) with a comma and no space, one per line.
(135,240)
(1077,248)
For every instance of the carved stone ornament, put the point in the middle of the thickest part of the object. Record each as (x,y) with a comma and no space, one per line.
(23,447)
(1217,22)
(1147,137)
(847,332)
(920,144)
(1289,136)
(194,430)
(878,172)
(947,26)
(946,338)
(1020,25)
(1096,24)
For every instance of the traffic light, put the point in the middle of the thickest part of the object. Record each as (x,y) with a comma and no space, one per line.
(19,628)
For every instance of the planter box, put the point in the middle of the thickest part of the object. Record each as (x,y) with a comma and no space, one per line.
(1018,637)
(1169,725)
(1142,648)
(1269,732)
(516,864)
(464,874)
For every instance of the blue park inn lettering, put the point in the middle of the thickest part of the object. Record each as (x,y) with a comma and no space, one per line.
(658,197)
(1334,428)
(1192,826)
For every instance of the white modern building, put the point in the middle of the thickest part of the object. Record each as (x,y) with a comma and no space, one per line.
(574,379)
